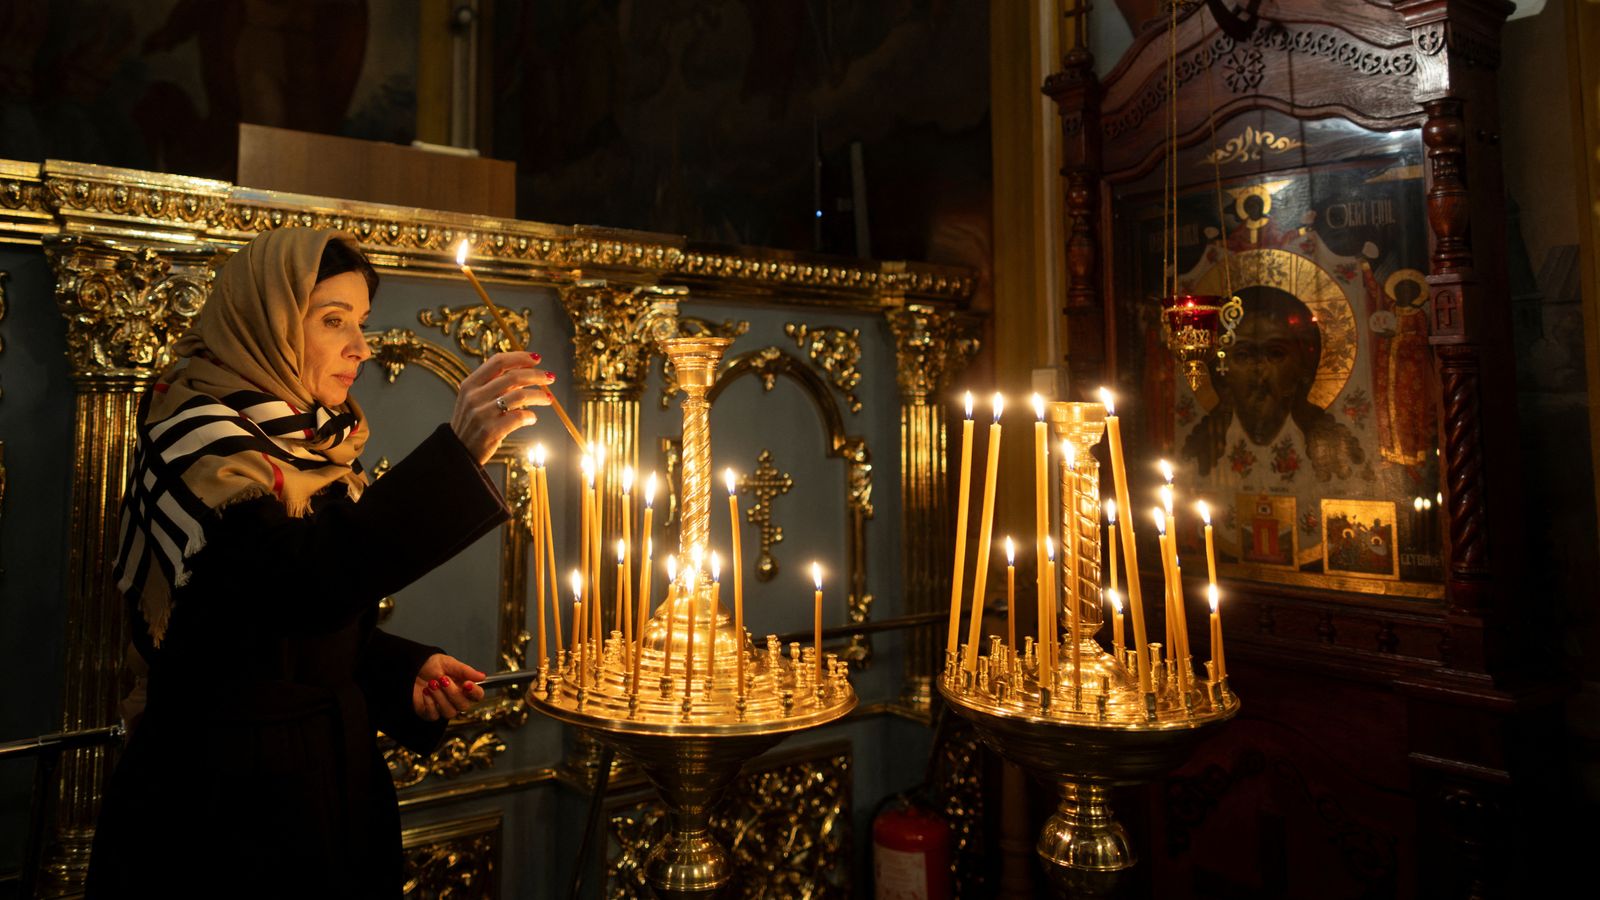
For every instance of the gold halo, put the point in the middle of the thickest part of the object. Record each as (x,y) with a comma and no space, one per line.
(1411,275)
(1311,284)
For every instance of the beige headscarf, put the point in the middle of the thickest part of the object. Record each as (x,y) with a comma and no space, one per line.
(231,421)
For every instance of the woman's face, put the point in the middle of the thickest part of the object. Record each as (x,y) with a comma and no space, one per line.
(334,346)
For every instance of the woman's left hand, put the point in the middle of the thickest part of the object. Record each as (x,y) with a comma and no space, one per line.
(445,687)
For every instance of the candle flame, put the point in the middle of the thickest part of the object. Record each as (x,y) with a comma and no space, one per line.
(538,455)
(1427,504)
(627,479)
(1038,407)
(999,404)
(1049,549)
(1211,594)
(716,566)
(576,580)
(1111,512)
(672,568)
(1109,401)
(461,252)
(1416,503)
(816,574)
(969,404)
(650,491)
(732,482)
(1116,601)
(1166,470)
(1205,511)
(1166,498)
(622,550)
(1439,497)
(1011,552)
(1070,454)
(1161,520)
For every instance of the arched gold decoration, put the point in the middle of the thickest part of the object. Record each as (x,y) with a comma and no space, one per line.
(771,363)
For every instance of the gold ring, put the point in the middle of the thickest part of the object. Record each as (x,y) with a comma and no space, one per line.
(501,402)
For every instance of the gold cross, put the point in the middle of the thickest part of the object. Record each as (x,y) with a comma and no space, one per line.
(766,484)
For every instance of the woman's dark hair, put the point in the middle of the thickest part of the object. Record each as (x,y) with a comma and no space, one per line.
(341,256)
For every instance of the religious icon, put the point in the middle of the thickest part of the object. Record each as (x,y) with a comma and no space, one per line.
(1358,538)
(1325,393)
(1267,530)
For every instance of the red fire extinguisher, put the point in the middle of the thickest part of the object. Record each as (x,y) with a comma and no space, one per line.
(910,854)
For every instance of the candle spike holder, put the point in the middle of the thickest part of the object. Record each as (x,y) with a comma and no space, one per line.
(1089,732)
(670,701)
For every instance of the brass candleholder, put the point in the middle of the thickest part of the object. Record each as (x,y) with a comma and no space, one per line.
(671,701)
(1094,730)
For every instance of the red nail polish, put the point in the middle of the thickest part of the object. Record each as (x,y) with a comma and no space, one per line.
(466,685)
(536,357)
(445,681)
(550,375)
(427,689)
(434,684)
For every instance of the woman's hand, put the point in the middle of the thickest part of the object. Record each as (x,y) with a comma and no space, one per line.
(444,688)
(494,401)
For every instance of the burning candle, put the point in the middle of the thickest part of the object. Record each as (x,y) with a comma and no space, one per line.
(622,580)
(816,579)
(671,606)
(985,534)
(711,619)
(1011,594)
(1211,547)
(512,340)
(585,524)
(1116,624)
(738,577)
(1164,541)
(645,563)
(577,623)
(1119,472)
(1220,664)
(536,546)
(1049,627)
(1041,519)
(958,576)
(1177,571)
(548,533)
(624,583)
(1111,541)
(596,606)
(696,560)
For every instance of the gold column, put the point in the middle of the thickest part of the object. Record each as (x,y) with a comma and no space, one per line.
(932,344)
(615,330)
(124,307)
(1081,423)
(695,359)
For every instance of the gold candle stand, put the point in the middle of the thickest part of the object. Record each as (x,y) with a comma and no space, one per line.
(690,735)
(1089,735)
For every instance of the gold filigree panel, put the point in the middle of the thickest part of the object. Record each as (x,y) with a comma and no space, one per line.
(957,792)
(932,344)
(475,329)
(1249,145)
(396,348)
(458,860)
(766,484)
(836,351)
(614,332)
(785,824)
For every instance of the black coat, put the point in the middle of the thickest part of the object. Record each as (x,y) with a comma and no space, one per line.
(255,769)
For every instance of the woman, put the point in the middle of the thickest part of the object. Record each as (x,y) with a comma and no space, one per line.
(253,555)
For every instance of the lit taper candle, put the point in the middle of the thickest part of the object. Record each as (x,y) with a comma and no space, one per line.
(1221,665)
(732,483)
(816,579)
(963,490)
(624,581)
(980,579)
(536,547)
(1011,594)
(1119,472)
(549,549)
(1116,623)
(578,625)
(1211,547)
(671,606)
(711,620)
(1041,521)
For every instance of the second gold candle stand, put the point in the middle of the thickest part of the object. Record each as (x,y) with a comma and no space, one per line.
(1094,732)
(690,726)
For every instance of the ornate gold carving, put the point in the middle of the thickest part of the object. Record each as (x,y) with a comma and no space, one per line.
(1248,146)
(124,306)
(396,348)
(691,326)
(770,363)
(458,754)
(455,860)
(957,791)
(615,330)
(932,344)
(3,276)
(836,352)
(766,484)
(671,462)
(786,827)
(474,327)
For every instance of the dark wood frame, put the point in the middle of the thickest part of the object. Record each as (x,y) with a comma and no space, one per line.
(1478,727)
